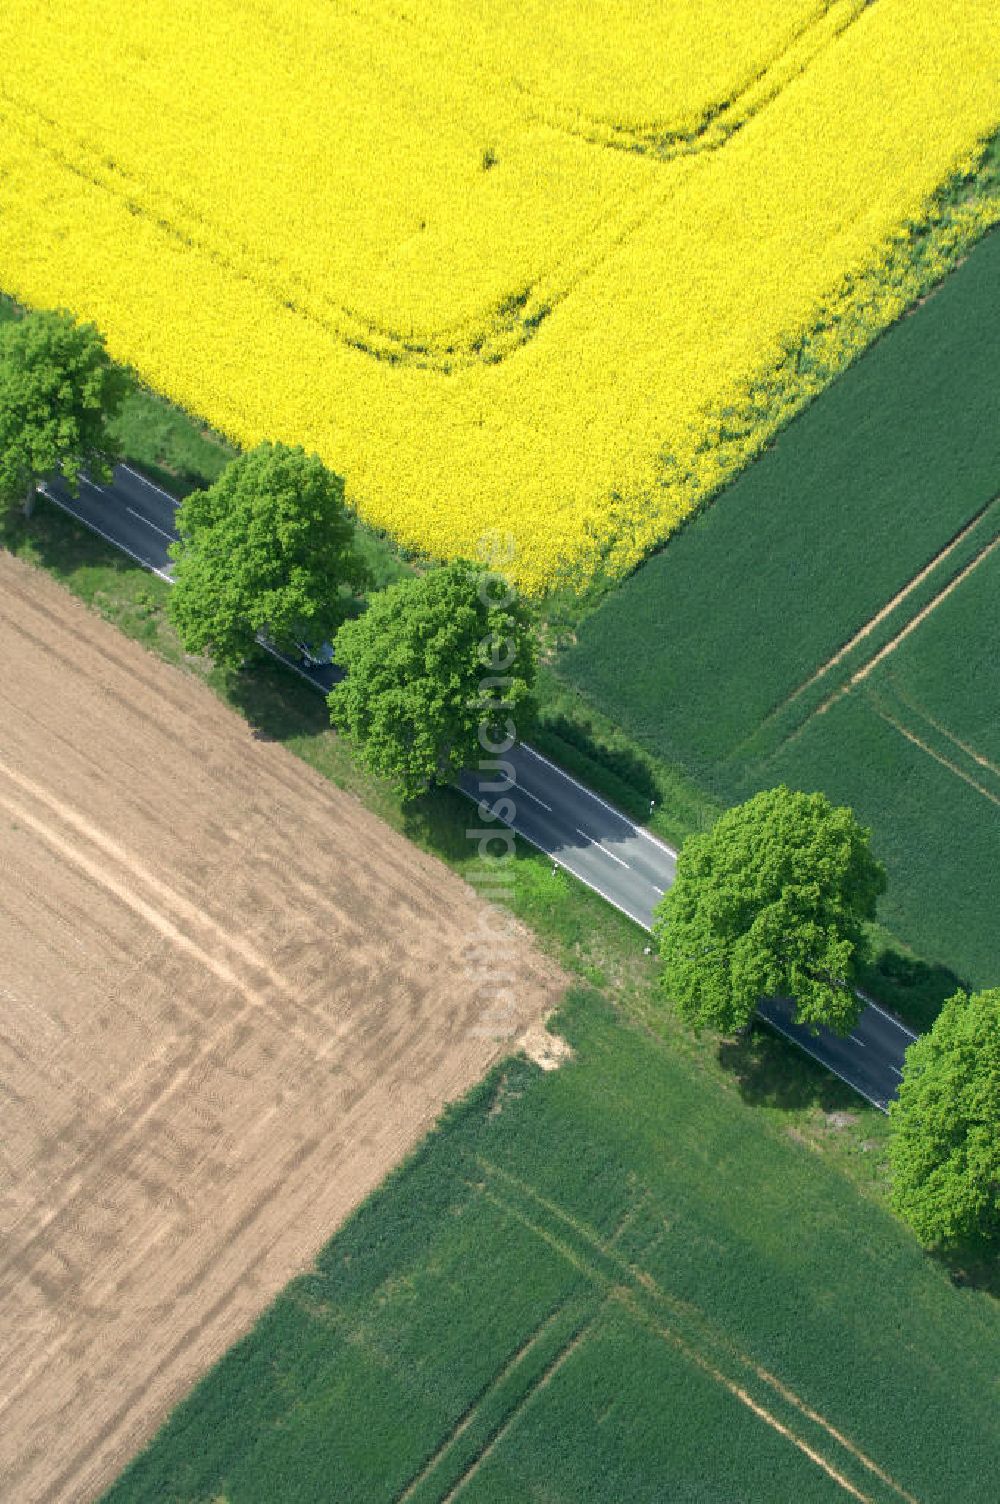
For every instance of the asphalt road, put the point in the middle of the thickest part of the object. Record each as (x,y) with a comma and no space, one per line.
(598,844)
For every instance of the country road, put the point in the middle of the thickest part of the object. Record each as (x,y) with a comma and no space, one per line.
(618,859)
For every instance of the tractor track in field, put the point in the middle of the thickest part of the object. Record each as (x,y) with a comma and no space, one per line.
(693,1334)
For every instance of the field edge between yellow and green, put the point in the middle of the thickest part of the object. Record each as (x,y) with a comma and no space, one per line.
(816,594)
(626,406)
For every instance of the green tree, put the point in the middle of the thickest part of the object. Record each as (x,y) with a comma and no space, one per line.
(771,902)
(945,1127)
(59,392)
(268,548)
(440,672)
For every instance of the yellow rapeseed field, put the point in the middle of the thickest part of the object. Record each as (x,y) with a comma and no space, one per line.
(527,266)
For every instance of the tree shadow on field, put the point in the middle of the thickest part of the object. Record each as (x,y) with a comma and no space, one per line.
(973,1269)
(772,1072)
(63,546)
(438,821)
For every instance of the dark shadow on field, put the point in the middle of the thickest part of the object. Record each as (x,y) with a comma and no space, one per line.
(771,1072)
(914,989)
(275,702)
(977,1269)
(438,822)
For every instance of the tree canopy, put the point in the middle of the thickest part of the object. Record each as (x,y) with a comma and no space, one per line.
(771,902)
(440,673)
(268,548)
(59,392)
(945,1127)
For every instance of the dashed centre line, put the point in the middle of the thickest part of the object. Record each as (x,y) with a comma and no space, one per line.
(601,847)
(522,790)
(140,518)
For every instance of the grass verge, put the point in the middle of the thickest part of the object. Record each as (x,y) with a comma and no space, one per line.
(589,937)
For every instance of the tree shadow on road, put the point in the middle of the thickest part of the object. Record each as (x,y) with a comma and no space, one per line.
(771,1072)
(914,989)
(614,771)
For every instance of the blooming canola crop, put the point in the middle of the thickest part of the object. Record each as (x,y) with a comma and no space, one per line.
(511,267)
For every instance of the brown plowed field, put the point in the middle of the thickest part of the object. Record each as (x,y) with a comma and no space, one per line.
(230,1000)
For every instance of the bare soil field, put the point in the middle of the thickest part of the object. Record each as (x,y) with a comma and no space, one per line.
(230,1000)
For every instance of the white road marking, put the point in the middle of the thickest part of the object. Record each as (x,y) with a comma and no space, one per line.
(636,829)
(856,1040)
(140,518)
(601,847)
(890,1016)
(106,536)
(661,891)
(137,475)
(289,663)
(896,1071)
(573,873)
(522,790)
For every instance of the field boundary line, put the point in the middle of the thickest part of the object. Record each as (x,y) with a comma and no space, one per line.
(468,1416)
(447,346)
(861,674)
(466,344)
(629,1298)
(664,143)
(219,968)
(580,1264)
(800,1404)
(575,1341)
(182,907)
(956,741)
(629,1217)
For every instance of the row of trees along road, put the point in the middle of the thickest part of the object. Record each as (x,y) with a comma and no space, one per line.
(773,900)
(269,548)
(434,663)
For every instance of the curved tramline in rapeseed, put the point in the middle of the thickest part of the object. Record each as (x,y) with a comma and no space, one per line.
(513,262)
